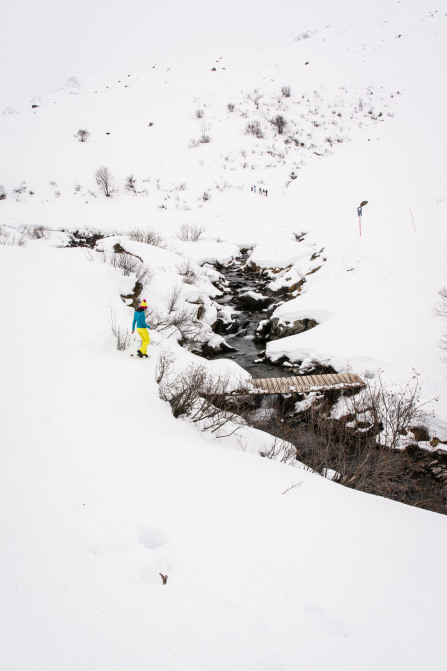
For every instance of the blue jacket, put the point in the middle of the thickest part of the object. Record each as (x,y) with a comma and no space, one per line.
(139,318)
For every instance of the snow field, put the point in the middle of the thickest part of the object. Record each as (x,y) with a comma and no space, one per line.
(103,489)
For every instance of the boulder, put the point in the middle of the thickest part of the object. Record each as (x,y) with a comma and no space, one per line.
(251,300)
(280,329)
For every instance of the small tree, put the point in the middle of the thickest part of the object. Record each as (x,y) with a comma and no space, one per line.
(82,135)
(104,179)
(280,123)
(285,90)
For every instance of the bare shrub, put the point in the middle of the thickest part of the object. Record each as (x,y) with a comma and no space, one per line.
(280,123)
(82,135)
(131,184)
(164,364)
(255,98)
(188,272)
(122,335)
(129,264)
(12,237)
(180,322)
(199,114)
(148,236)
(38,232)
(190,232)
(104,179)
(230,107)
(254,128)
(195,393)
(205,196)
(441,311)
(285,90)
(174,297)
(280,450)
(205,138)
(2,192)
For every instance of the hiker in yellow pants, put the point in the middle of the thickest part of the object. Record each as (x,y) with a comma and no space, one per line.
(139,320)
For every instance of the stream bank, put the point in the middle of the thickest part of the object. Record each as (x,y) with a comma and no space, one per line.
(414,476)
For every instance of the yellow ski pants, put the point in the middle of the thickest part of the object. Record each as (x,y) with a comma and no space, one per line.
(145,340)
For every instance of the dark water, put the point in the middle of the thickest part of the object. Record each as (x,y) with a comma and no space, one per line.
(241,333)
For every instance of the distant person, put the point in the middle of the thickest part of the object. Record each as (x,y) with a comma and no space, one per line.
(359,211)
(266,193)
(139,319)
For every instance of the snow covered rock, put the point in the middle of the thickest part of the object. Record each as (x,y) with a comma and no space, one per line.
(281,329)
(253,300)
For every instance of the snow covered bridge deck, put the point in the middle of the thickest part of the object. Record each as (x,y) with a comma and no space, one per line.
(301,385)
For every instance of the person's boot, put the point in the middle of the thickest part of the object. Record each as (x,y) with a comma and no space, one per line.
(140,353)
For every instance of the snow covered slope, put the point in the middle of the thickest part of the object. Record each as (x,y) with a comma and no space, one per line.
(102,490)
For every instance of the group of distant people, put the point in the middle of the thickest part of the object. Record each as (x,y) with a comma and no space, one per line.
(259,189)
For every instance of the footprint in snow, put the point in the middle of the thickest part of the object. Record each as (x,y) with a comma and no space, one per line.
(152,538)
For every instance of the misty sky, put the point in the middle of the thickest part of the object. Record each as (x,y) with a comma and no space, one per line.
(44,42)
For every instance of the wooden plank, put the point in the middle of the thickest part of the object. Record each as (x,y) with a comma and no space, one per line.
(297,383)
(333,378)
(272,385)
(276,384)
(324,380)
(343,378)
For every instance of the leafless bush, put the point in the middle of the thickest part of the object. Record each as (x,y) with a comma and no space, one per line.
(131,265)
(230,107)
(191,232)
(280,123)
(195,393)
(188,272)
(394,409)
(441,311)
(12,237)
(174,298)
(104,179)
(285,90)
(131,184)
(205,138)
(254,128)
(38,232)
(255,98)
(148,236)
(199,114)
(2,192)
(280,450)
(82,135)
(122,335)
(205,196)
(182,322)
(164,364)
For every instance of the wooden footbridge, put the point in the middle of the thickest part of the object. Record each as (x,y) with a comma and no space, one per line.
(300,384)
